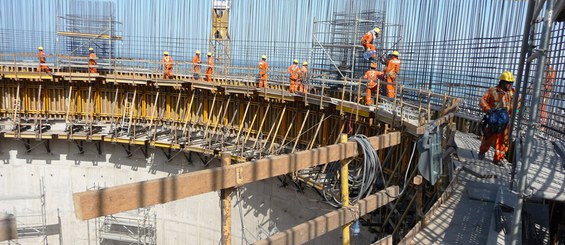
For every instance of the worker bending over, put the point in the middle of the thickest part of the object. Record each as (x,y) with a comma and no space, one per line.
(497,104)
(263,67)
(210,68)
(196,65)
(41,57)
(304,78)
(391,70)
(92,61)
(367,42)
(168,65)
(293,71)
(372,75)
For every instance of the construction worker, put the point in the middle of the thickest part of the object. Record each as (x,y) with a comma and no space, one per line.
(391,70)
(42,61)
(168,65)
(196,65)
(293,70)
(210,68)
(304,77)
(497,100)
(92,61)
(372,75)
(263,67)
(367,42)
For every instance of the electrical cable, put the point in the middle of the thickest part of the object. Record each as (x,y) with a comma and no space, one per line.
(362,175)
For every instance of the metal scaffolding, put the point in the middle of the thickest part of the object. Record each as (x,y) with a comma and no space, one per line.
(134,227)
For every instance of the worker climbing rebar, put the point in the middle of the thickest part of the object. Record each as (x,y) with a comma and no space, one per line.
(372,75)
(293,71)
(304,78)
(367,42)
(263,67)
(92,61)
(391,70)
(497,104)
(210,68)
(42,60)
(167,62)
(196,65)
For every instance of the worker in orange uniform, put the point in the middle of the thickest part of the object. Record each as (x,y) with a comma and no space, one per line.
(304,78)
(497,100)
(293,70)
(41,57)
(372,75)
(367,42)
(210,68)
(92,61)
(196,65)
(263,67)
(168,65)
(391,70)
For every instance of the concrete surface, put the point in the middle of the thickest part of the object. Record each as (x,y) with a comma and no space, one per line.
(260,209)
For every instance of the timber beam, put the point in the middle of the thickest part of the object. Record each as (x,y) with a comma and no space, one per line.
(96,203)
(321,225)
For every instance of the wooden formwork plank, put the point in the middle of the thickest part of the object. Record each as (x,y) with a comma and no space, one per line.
(96,203)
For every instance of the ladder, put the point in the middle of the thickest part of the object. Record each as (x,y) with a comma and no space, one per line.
(129,104)
(16,108)
(38,117)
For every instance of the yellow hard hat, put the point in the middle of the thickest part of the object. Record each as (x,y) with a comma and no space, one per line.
(209,54)
(197,51)
(507,76)
(166,53)
(264,57)
(295,61)
(305,63)
(395,53)
(39,48)
(90,49)
(377,30)
(373,65)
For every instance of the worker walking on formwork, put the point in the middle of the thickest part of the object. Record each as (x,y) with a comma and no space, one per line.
(367,42)
(293,71)
(263,67)
(41,57)
(497,104)
(391,70)
(210,68)
(196,65)
(92,61)
(167,62)
(372,75)
(304,78)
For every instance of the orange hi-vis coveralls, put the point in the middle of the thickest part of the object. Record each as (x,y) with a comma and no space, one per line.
(263,67)
(92,62)
(42,61)
(303,87)
(210,69)
(367,40)
(293,70)
(390,71)
(493,99)
(371,75)
(196,66)
(168,63)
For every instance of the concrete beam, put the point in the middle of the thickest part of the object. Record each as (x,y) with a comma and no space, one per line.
(96,203)
(323,224)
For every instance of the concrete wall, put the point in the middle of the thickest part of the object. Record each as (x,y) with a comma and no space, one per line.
(260,209)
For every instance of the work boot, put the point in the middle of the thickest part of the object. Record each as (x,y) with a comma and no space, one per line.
(481,156)
(497,162)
